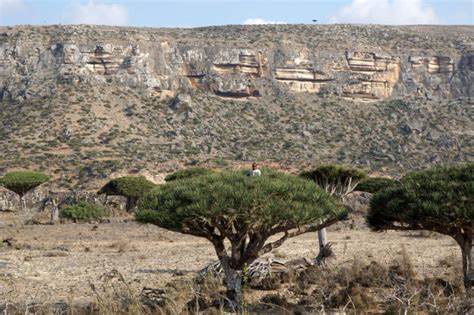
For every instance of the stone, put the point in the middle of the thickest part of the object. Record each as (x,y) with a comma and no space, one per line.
(9,201)
(181,102)
(358,201)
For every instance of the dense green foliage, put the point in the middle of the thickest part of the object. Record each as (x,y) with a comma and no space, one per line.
(374,184)
(187,173)
(21,182)
(258,203)
(434,199)
(83,212)
(127,186)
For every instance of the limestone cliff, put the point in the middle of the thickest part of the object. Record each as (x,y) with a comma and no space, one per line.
(89,102)
(368,63)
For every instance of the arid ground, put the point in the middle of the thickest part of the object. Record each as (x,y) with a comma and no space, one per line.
(66,262)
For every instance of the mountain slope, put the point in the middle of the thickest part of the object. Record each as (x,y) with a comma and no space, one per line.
(85,102)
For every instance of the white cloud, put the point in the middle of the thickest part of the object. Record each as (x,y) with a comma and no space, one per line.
(98,13)
(394,12)
(11,6)
(259,21)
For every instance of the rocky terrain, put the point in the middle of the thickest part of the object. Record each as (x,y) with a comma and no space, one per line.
(86,102)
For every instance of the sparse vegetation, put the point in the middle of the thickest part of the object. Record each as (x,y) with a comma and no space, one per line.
(60,118)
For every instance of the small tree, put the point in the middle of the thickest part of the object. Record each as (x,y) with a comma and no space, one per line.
(338,181)
(131,187)
(21,182)
(247,211)
(374,184)
(440,199)
(187,173)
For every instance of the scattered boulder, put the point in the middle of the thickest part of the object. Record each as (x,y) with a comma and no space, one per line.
(358,201)
(181,102)
(9,201)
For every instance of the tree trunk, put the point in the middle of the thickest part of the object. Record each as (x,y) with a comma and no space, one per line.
(54,214)
(131,203)
(233,283)
(468,268)
(322,239)
(22,203)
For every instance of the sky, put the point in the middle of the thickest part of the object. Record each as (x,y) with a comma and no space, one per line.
(195,13)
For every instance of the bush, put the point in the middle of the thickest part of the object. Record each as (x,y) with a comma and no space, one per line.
(374,184)
(187,173)
(83,212)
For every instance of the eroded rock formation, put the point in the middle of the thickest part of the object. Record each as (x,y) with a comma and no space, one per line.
(162,63)
(434,65)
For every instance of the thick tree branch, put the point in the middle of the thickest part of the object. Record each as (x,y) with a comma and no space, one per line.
(271,246)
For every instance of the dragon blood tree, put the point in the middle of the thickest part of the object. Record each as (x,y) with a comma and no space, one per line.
(131,187)
(21,182)
(338,181)
(440,199)
(244,210)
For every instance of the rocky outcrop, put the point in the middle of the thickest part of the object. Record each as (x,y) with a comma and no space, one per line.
(434,65)
(9,201)
(378,75)
(181,102)
(245,62)
(358,202)
(301,79)
(162,63)
(44,200)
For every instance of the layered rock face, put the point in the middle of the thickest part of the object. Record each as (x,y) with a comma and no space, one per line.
(162,62)
(85,103)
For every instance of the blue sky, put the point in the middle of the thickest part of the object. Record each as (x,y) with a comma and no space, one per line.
(192,13)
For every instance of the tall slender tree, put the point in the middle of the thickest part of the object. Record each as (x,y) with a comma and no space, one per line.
(338,181)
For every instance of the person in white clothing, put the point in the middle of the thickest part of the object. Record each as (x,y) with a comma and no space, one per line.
(255,170)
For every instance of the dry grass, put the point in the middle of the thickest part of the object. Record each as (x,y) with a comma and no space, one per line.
(91,267)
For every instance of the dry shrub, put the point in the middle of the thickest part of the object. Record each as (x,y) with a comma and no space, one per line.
(114,295)
(371,286)
(355,297)
(208,294)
